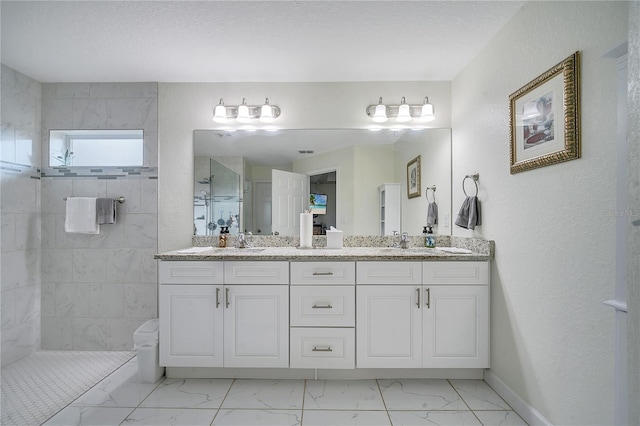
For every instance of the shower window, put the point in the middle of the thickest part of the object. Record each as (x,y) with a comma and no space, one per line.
(96,148)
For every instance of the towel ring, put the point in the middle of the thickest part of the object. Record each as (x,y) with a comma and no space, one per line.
(475,178)
(433,189)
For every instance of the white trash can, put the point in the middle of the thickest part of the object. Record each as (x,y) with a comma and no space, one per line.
(145,343)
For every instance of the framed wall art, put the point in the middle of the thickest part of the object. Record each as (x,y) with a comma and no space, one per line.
(544,118)
(413,178)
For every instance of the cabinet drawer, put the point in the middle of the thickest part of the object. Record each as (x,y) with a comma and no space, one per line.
(338,273)
(322,306)
(389,273)
(322,348)
(456,273)
(266,272)
(185,272)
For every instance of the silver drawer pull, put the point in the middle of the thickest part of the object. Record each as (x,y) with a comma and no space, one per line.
(322,307)
(322,273)
(317,349)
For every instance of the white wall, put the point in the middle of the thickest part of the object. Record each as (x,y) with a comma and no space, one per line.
(374,166)
(183,107)
(551,337)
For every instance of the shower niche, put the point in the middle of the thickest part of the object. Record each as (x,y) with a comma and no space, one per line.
(217,198)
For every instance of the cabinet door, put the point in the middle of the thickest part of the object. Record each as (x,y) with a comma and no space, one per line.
(388,327)
(190,326)
(256,326)
(456,327)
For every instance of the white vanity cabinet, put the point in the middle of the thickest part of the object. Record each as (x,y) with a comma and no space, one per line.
(364,314)
(423,314)
(389,316)
(205,322)
(455,332)
(322,315)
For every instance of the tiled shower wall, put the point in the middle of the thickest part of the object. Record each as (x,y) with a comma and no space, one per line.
(20,215)
(97,289)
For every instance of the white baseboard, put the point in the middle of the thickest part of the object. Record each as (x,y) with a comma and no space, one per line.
(524,410)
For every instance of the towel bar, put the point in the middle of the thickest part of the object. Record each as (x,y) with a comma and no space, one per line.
(119,199)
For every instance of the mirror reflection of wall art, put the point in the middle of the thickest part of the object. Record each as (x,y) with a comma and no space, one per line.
(545,118)
(413,178)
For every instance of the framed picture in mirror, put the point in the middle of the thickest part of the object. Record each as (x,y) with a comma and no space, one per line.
(413,178)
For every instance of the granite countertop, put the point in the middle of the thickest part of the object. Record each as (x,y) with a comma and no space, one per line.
(320,254)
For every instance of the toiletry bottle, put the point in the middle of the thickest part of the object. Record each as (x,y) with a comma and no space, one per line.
(429,239)
(222,240)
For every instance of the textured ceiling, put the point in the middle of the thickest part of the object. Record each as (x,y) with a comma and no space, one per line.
(239,41)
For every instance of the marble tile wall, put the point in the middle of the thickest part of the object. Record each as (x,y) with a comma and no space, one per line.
(20,215)
(97,289)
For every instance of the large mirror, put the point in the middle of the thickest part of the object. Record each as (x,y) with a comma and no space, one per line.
(357,177)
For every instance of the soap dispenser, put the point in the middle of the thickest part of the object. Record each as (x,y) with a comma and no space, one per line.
(224,234)
(429,238)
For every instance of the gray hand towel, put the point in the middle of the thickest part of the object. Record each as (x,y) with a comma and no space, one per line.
(469,215)
(106,210)
(432,213)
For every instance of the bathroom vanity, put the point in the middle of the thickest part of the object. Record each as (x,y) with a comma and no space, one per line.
(365,309)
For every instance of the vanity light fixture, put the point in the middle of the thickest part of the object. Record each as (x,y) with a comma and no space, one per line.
(403,112)
(244,113)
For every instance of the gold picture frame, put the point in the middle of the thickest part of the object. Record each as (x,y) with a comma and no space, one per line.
(413,178)
(544,118)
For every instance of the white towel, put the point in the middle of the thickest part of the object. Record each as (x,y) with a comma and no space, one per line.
(81,216)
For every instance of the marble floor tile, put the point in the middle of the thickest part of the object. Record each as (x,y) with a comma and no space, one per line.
(120,389)
(89,416)
(343,395)
(478,395)
(345,418)
(501,418)
(420,394)
(431,418)
(188,393)
(265,394)
(258,418)
(170,417)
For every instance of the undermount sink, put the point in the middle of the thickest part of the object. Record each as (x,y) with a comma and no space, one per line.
(410,249)
(238,249)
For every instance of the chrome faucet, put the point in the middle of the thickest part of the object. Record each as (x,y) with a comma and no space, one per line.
(404,240)
(242,241)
